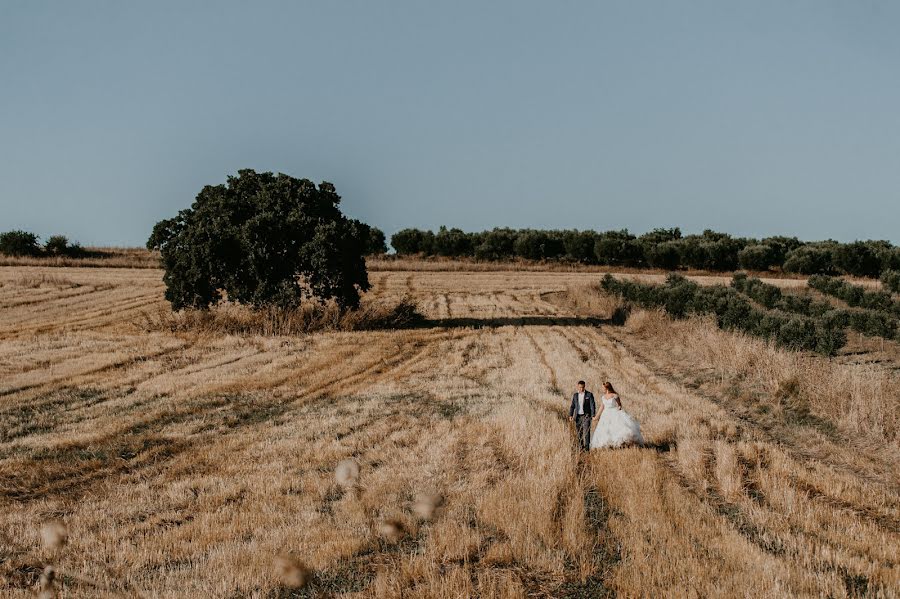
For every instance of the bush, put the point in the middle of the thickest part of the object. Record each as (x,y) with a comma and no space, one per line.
(890,258)
(855,295)
(891,280)
(264,240)
(19,243)
(681,297)
(767,295)
(58,245)
(758,257)
(772,297)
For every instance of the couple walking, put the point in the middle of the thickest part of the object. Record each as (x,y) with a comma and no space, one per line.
(615,426)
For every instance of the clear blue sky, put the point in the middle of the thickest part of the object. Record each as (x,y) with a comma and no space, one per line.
(755,118)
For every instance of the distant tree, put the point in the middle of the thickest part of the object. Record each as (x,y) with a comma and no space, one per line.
(412,241)
(497,244)
(781,246)
(658,235)
(19,243)
(810,259)
(452,242)
(618,248)
(758,257)
(890,258)
(580,246)
(860,258)
(376,241)
(59,245)
(664,255)
(262,239)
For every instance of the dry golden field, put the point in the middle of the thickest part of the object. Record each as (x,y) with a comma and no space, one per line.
(200,465)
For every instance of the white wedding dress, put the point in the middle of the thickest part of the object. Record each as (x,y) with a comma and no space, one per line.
(616,427)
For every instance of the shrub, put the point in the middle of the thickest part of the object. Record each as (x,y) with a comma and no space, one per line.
(872,323)
(767,295)
(855,295)
(891,280)
(733,311)
(797,333)
(19,243)
(58,245)
(264,240)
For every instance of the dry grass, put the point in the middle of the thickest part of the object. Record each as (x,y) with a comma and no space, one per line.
(428,462)
(95,257)
(311,317)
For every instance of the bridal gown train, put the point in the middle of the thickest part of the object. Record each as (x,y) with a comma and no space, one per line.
(616,427)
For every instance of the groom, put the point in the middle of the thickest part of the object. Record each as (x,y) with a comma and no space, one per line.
(582,411)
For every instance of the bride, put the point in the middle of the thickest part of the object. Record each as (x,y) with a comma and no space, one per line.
(616,427)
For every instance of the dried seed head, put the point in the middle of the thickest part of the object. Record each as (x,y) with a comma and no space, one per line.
(347,473)
(291,571)
(391,530)
(54,535)
(47,586)
(425,505)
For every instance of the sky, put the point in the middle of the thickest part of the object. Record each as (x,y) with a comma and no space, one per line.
(754,118)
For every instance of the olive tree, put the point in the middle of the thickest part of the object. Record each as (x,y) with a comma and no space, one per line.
(264,240)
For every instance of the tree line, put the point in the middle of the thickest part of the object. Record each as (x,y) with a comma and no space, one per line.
(24,243)
(666,249)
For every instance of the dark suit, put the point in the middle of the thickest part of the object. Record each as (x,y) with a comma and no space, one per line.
(583,421)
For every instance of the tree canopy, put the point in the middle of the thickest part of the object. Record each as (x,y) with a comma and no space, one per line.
(263,239)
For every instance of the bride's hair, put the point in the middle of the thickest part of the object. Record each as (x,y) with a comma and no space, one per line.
(608,386)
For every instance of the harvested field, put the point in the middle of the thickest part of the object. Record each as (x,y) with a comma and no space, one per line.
(183,463)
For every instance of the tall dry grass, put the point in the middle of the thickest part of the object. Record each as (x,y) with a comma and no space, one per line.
(95,257)
(311,317)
